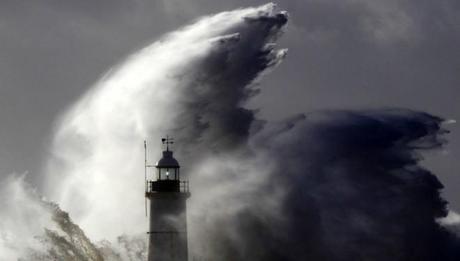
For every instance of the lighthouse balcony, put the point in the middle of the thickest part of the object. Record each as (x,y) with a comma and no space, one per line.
(167,185)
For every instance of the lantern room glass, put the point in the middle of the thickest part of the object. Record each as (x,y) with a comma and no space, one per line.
(168,173)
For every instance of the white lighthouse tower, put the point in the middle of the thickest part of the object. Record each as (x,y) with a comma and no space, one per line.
(168,216)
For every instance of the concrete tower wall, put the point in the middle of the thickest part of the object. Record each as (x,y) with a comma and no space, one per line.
(168,227)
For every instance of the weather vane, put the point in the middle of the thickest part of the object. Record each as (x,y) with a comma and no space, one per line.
(167,141)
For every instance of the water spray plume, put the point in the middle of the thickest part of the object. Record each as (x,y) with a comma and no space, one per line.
(168,87)
(330,185)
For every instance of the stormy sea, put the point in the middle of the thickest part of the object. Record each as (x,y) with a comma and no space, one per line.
(324,185)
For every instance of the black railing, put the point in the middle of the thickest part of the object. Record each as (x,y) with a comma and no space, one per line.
(168,185)
(184,186)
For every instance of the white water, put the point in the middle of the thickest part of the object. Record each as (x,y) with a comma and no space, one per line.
(96,172)
(96,169)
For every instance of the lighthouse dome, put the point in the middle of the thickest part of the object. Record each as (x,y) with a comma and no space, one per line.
(167,161)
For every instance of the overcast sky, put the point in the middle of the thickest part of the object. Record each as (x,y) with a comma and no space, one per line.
(343,54)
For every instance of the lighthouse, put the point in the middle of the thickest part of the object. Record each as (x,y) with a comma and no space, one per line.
(167,195)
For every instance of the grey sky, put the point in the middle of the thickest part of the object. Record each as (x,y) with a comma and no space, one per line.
(342,54)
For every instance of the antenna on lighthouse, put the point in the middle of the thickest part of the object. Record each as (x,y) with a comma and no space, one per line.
(145,174)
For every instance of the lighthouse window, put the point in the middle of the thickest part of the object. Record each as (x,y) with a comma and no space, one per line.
(168,173)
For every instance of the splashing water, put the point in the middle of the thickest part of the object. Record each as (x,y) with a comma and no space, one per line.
(96,170)
(346,180)
(96,167)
